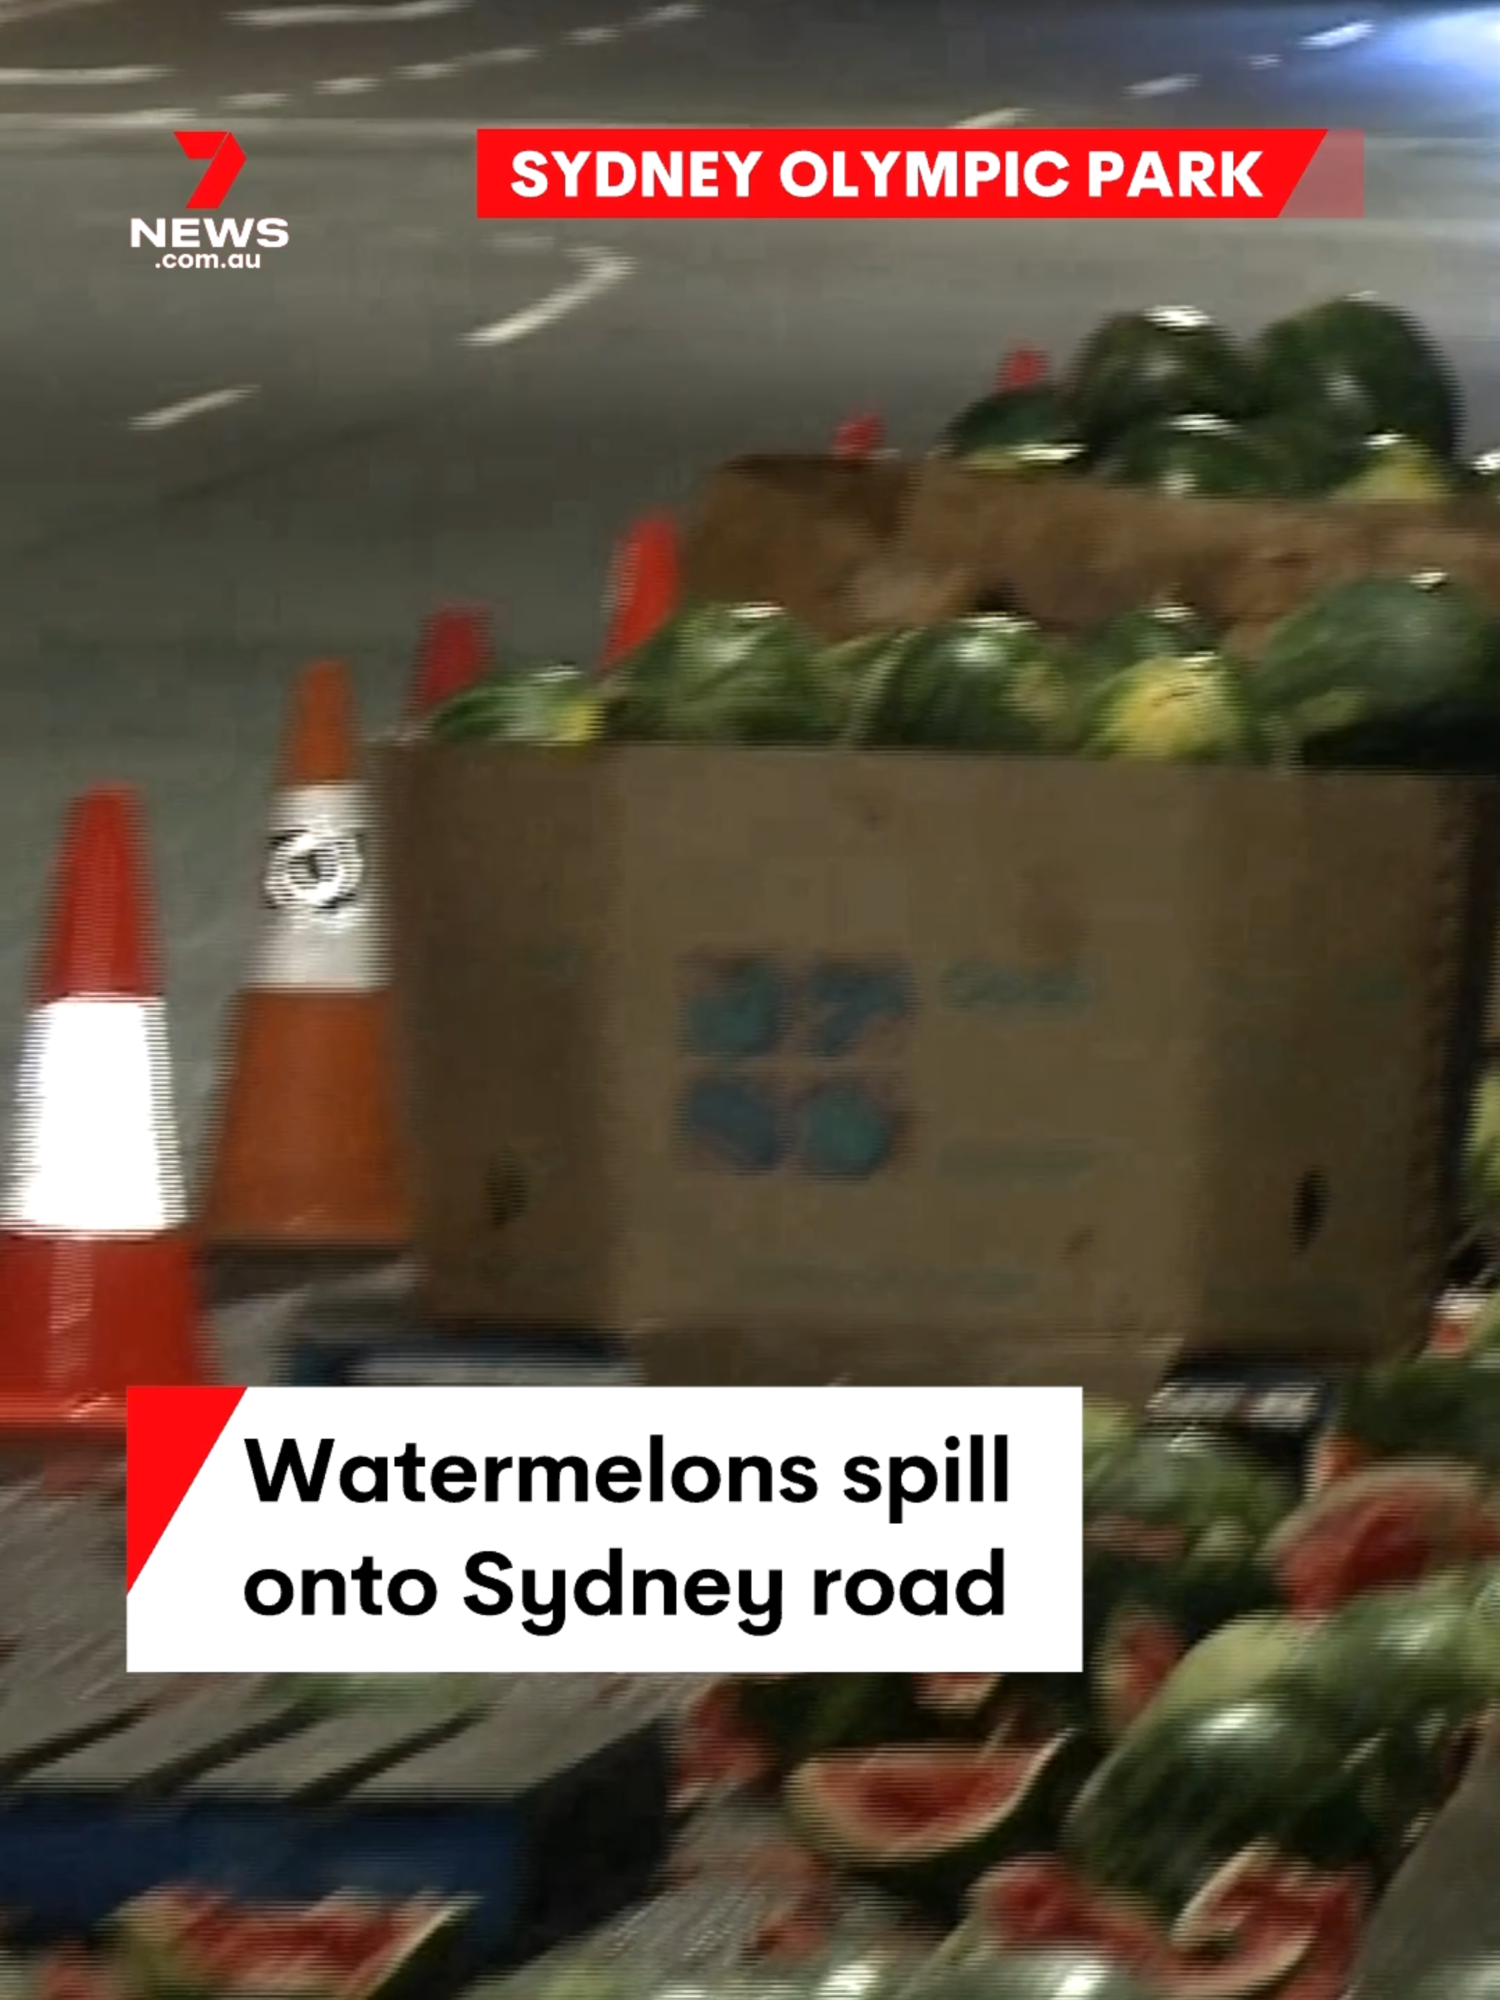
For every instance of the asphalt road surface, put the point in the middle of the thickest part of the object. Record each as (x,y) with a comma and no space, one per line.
(212,478)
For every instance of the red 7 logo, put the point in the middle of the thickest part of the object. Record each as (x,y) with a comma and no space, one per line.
(225,156)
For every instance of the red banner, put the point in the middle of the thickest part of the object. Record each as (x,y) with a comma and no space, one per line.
(553,174)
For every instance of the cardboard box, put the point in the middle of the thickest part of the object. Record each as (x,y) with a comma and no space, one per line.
(818,1066)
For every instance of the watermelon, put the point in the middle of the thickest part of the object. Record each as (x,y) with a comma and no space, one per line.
(1391,1524)
(1475,1978)
(1432,1406)
(1175,710)
(723,673)
(1107,1427)
(548,704)
(1137,368)
(1187,1791)
(1001,430)
(1246,1657)
(798,1716)
(191,1944)
(1136,1657)
(1157,632)
(1383,669)
(1305,458)
(1189,1505)
(1361,367)
(1192,457)
(986,683)
(1396,468)
(929,1819)
(1260,1925)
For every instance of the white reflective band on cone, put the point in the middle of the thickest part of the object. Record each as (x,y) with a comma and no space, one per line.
(321,917)
(95,1140)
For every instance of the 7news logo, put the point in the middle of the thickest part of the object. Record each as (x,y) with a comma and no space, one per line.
(182,237)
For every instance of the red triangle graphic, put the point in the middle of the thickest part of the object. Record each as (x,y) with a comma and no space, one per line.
(168,1435)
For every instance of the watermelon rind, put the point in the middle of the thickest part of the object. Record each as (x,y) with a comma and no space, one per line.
(1140,368)
(995,430)
(1382,670)
(1185,1792)
(551,705)
(723,673)
(1193,457)
(1246,1657)
(987,683)
(1438,1482)
(937,1865)
(180,1944)
(1158,631)
(1174,710)
(1398,470)
(1363,367)
(1429,1405)
(800,1716)
(1199,1927)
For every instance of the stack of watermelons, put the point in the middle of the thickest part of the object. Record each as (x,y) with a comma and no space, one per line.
(1282,1688)
(1348,398)
(1384,672)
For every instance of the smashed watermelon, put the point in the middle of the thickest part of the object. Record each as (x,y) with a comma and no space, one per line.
(1391,1524)
(1201,1507)
(1428,1407)
(1472,1978)
(956,1701)
(1260,1926)
(798,1716)
(195,1944)
(1186,1792)
(929,1819)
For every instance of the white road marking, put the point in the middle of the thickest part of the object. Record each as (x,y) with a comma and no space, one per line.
(1342,37)
(517,53)
(988,121)
(1263,62)
(1163,86)
(152,120)
(673,10)
(347,86)
(71,78)
(428,72)
(196,406)
(257,100)
(600,271)
(346,17)
(32,10)
(593,38)
(517,245)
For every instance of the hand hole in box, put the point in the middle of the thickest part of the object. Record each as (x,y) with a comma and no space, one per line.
(1310,1209)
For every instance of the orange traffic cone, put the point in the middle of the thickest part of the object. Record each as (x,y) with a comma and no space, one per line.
(644,587)
(307,1154)
(859,437)
(96,1280)
(457,649)
(1023,368)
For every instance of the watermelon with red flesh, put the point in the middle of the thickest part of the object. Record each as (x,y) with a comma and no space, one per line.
(1433,1405)
(1140,1649)
(1262,1926)
(1391,1524)
(192,1944)
(927,1820)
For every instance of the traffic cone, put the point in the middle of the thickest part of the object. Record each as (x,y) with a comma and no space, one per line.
(457,649)
(1023,368)
(644,587)
(859,437)
(307,1154)
(97,1289)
